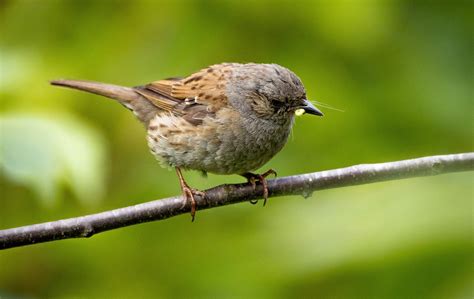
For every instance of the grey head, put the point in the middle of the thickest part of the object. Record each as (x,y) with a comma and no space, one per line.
(268,91)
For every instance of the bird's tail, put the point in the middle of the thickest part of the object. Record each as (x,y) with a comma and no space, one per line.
(126,96)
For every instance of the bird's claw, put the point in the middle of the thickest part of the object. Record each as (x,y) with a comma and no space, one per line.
(188,194)
(252,179)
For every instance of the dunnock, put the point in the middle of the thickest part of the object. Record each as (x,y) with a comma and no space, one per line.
(228,118)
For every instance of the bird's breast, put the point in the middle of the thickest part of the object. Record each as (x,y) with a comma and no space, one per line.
(224,144)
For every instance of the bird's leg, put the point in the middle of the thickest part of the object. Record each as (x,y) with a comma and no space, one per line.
(252,179)
(188,193)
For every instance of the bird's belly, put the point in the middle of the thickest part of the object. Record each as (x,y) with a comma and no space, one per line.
(214,146)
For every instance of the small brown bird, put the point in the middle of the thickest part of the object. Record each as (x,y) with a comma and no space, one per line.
(228,118)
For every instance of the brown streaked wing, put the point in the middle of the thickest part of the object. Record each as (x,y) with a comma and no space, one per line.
(159,94)
(205,87)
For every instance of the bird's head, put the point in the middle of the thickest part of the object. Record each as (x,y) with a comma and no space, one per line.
(270,91)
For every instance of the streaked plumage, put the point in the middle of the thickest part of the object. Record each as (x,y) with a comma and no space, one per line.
(227,119)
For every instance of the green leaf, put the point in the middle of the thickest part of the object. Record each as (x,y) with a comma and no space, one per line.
(45,152)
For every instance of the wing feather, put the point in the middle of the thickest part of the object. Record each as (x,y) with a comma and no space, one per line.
(194,97)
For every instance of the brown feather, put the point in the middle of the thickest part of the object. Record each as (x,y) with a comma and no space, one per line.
(194,97)
(158,99)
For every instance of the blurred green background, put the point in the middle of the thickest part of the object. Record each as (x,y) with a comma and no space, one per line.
(401,70)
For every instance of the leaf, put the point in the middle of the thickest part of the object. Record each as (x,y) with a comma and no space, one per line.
(45,152)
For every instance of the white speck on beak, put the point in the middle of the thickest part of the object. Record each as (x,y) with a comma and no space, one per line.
(299,112)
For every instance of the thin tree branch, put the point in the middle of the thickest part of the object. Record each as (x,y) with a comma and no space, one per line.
(304,184)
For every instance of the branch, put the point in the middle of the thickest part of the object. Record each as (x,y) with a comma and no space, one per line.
(304,184)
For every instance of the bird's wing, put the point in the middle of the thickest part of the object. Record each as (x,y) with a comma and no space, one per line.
(195,97)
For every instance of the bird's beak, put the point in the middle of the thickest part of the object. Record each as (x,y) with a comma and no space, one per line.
(311,109)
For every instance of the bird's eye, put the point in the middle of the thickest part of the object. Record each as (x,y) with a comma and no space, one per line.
(277,104)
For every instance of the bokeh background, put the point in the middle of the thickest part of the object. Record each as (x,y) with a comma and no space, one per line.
(402,71)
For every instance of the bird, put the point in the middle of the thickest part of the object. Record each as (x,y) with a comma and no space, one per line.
(228,118)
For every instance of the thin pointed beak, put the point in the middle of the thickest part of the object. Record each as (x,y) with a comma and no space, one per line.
(311,109)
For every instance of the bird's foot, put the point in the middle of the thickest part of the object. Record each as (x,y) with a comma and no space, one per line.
(252,178)
(188,193)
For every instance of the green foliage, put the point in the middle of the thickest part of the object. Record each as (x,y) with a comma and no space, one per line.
(43,152)
(401,70)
